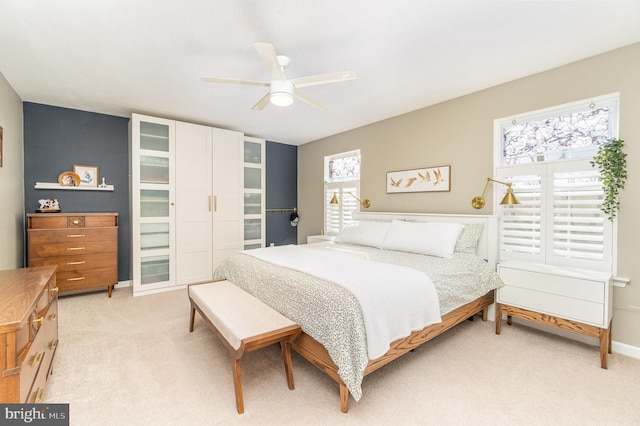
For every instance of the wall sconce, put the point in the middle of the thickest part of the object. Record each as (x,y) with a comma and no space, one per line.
(366,203)
(509,199)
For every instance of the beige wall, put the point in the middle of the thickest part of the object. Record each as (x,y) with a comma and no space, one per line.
(460,133)
(11,179)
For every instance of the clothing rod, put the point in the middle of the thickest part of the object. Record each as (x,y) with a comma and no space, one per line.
(281,210)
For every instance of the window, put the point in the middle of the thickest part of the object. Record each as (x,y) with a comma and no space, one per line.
(546,156)
(342,178)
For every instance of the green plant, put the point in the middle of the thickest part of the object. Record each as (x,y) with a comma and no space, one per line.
(612,162)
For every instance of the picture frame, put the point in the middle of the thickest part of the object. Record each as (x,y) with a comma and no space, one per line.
(88,175)
(426,179)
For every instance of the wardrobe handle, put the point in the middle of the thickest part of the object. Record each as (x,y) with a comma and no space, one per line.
(209,202)
(215,203)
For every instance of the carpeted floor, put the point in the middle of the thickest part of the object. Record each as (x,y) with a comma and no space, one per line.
(132,361)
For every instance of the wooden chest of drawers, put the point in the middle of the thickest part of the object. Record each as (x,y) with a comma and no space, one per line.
(28,332)
(84,246)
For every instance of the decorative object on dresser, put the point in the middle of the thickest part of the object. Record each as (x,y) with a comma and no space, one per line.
(28,332)
(84,246)
(570,299)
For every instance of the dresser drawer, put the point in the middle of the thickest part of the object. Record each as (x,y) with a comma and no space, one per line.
(72,236)
(53,221)
(73,281)
(76,263)
(30,365)
(69,249)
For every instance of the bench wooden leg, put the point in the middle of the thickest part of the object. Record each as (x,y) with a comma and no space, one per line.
(192,318)
(237,384)
(288,366)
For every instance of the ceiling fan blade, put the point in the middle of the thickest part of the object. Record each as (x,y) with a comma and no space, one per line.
(333,77)
(268,54)
(308,99)
(232,81)
(262,102)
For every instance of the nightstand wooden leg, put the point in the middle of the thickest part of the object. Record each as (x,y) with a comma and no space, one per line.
(604,347)
(498,318)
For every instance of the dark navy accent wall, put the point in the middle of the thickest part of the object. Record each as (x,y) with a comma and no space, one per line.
(57,138)
(281,192)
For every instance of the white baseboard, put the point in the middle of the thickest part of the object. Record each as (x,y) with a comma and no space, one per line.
(123,284)
(624,349)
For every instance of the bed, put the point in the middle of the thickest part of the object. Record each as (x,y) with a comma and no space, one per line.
(429,272)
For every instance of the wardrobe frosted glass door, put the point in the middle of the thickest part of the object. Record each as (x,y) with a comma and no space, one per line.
(153,225)
(253,193)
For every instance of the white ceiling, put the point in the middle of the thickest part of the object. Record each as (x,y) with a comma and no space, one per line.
(122,56)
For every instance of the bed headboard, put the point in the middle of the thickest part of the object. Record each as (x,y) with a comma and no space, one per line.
(487,246)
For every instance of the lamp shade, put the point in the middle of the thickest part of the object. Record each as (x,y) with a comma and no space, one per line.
(510,198)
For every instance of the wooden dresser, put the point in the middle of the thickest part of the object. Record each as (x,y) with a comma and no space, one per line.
(28,332)
(83,245)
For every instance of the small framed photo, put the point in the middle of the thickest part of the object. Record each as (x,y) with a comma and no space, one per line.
(88,175)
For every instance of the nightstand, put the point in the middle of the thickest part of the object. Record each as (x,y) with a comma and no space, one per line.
(319,238)
(571,299)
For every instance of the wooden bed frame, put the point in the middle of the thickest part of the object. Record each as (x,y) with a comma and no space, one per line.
(315,353)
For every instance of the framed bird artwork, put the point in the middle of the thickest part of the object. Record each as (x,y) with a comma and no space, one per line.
(428,179)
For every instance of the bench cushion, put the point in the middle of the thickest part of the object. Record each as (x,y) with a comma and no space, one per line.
(235,313)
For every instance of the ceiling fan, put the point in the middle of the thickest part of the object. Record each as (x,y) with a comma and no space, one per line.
(281,89)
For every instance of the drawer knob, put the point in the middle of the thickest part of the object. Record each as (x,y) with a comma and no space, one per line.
(53,317)
(38,321)
(75,236)
(75,248)
(39,395)
(75,279)
(53,345)
(76,263)
(54,290)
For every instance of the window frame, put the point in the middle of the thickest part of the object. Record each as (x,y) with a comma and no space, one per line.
(546,170)
(337,185)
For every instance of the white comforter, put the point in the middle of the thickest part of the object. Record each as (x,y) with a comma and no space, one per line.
(395,300)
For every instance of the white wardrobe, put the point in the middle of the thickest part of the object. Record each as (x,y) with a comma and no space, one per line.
(187,201)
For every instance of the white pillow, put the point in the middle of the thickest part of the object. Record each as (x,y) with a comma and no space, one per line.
(432,238)
(363,233)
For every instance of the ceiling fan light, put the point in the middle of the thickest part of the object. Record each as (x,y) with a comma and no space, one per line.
(281,99)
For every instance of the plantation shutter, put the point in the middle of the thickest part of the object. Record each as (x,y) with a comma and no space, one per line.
(521,236)
(581,231)
(338,215)
(566,194)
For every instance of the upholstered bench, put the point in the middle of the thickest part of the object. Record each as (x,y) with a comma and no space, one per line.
(243,323)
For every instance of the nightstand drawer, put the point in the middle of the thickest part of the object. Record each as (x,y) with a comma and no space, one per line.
(553,304)
(568,287)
